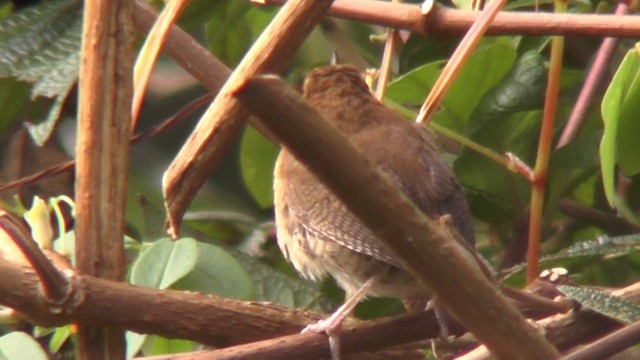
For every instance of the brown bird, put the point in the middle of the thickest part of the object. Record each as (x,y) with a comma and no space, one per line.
(320,236)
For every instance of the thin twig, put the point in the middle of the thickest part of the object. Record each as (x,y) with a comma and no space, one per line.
(458,58)
(182,114)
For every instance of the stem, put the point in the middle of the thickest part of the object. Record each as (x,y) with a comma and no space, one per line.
(387,61)
(592,83)
(544,149)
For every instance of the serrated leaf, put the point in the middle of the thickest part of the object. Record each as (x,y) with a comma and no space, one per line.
(257,159)
(164,263)
(602,246)
(42,45)
(619,144)
(615,307)
(18,346)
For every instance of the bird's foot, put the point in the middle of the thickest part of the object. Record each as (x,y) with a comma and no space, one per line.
(333,324)
(441,318)
(332,327)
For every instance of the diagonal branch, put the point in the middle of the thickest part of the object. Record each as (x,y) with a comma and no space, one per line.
(424,248)
(225,117)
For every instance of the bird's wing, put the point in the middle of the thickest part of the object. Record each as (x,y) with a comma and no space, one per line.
(325,218)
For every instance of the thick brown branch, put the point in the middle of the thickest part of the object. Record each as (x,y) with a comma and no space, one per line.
(175,314)
(104,123)
(442,265)
(221,322)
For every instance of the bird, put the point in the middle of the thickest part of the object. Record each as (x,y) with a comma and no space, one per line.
(317,232)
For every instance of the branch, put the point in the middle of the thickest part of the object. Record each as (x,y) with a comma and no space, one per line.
(225,117)
(219,322)
(54,282)
(207,319)
(441,21)
(424,248)
(104,129)
(612,224)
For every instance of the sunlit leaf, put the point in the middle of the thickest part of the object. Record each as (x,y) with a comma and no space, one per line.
(157,345)
(60,336)
(165,262)
(619,143)
(18,346)
(217,272)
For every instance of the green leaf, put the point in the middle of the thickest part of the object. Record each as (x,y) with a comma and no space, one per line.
(187,264)
(164,263)
(217,272)
(18,346)
(615,307)
(603,245)
(41,132)
(276,287)
(13,98)
(60,336)
(505,120)
(619,143)
(135,342)
(41,45)
(570,166)
(233,28)
(497,194)
(484,69)
(521,90)
(257,159)
(157,345)
(269,283)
